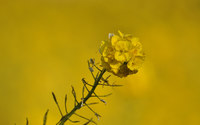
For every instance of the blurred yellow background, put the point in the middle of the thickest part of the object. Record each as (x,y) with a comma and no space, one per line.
(44,46)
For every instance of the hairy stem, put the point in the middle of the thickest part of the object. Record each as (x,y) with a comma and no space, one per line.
(78,106)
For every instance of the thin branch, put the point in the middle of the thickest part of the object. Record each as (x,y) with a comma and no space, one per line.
(83,91)
(103,95)
(82,95)
(91,70)
(73,121)
(105,80)
(92,103)
(84,82)
(97,75)
(74,94)
(97,68)
(96,114)
(66,103)
(78,106)
(113,85)
(95,95)
(45,117)
(90,120)
(54,97)
(84,118)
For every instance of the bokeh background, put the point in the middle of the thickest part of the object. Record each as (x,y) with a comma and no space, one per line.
(45,44)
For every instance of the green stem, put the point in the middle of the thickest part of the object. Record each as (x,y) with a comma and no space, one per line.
(67,116)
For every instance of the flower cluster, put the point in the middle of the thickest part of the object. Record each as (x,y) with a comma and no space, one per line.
(122,54)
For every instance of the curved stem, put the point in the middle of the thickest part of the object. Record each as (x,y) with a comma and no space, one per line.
(78,106)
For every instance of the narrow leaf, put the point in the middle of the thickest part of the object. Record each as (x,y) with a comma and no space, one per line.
(66,103)
(45,117)
(54,97)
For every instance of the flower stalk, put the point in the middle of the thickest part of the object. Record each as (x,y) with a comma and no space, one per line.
(78,106)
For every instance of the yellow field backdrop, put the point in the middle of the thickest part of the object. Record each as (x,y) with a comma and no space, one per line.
(45,45)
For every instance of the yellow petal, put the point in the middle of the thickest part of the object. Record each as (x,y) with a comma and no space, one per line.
(114,39)
(128,56)
(120,34)
(120,56)
(135,63)
(135,41)
(123,46)
(115,65)
(102,47)
(115,70)
(105,51)
(106,59)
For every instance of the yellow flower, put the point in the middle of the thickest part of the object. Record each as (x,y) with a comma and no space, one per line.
(122,54)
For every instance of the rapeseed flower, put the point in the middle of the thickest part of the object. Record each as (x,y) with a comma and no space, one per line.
(122,54)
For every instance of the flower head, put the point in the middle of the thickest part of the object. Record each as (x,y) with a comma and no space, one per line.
(122,54)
